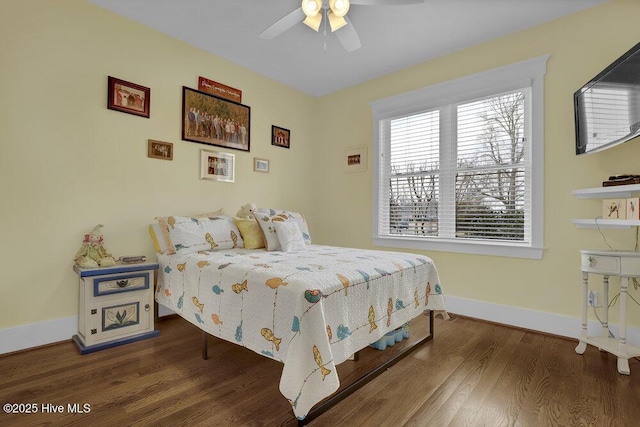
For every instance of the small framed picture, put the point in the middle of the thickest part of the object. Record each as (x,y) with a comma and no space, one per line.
(128,97)
(355,159)
(280,137)
(260,165)
(160,150)
(217,166)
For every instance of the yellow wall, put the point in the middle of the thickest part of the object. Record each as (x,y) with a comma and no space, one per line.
(580,47)
(68,163)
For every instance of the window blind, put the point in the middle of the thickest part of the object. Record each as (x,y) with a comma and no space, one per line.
(458,171)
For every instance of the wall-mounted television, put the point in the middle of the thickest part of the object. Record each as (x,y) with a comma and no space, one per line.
(607,108)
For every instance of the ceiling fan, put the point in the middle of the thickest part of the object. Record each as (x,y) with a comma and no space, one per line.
(311,13)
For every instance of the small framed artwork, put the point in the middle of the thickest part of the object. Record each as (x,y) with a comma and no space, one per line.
(160,150)
(128,97)
(209,119)
(217,166)
(355,159)
(280,137)
(260,165)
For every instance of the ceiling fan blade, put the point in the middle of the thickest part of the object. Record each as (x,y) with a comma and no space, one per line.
(283,24)
(384,2)
(348,37)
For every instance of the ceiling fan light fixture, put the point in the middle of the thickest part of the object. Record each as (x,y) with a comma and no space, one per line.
(311,7)
(339,7)
(336,22)
(313,21)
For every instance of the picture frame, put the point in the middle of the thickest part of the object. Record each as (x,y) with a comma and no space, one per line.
(209,119)
(280,137)
(217,166)
(128,97)
(355,159)
(159,150)
(219,89)
(260,165)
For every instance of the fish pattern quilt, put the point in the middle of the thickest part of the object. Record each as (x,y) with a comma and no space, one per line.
(310,310)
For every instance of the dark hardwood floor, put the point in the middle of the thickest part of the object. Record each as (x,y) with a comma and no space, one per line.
(473,373)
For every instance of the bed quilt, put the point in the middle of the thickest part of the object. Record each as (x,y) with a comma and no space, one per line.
(310,310)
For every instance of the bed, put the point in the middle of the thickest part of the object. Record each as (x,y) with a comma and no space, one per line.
(308,306)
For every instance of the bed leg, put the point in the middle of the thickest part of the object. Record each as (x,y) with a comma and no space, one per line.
(205,346)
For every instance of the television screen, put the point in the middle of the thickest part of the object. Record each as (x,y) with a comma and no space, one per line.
(607,109)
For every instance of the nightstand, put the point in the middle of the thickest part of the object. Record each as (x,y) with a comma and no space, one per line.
(115,305)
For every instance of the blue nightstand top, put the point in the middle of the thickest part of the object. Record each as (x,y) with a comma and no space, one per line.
(115,269)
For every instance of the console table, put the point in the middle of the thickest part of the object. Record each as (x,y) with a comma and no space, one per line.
(623,264)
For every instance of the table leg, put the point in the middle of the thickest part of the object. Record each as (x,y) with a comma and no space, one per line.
(623,362)
(582,345)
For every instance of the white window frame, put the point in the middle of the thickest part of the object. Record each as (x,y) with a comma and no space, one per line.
(529,73)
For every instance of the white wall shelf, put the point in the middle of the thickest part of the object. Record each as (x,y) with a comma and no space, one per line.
(613,192)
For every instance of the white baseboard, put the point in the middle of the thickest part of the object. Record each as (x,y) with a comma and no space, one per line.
(36,334)
(550,323)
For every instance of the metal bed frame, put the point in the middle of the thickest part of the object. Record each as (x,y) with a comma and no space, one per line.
(338,396)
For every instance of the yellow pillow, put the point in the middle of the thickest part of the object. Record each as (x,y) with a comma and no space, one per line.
(251,233)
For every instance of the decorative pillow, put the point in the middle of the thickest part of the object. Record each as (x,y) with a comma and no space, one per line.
(188,235)
(251,233)
(289,236)
(268,230)
(296,217)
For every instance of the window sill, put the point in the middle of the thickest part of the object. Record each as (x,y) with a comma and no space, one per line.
(479,248)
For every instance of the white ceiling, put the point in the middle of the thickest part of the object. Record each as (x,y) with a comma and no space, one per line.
(392,37)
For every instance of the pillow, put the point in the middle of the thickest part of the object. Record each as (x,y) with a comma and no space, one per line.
(251,233)
(188,235)
(291,216)
(268,230)
(289,236)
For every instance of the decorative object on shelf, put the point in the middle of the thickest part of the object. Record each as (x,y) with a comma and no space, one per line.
(621,180)
(614,209)
(209,119)
(92,254)
(355,159)
(246,211)
(280,137)
(260,165)
(217,166)
(218,89)
(160,150)
(633,203)
(128,97)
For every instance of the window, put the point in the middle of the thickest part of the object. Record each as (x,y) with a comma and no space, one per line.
(459,164)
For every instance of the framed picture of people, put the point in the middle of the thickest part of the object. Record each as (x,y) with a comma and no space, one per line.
(280,137)
(217,166)
(128,97)
(208,119)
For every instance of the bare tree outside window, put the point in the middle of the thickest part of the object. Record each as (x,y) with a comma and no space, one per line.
(489,171)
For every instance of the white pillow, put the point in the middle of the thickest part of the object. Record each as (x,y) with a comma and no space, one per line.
(188,234)
(289,236)
(288,215)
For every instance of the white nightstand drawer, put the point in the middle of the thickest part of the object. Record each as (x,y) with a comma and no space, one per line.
(600,263)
